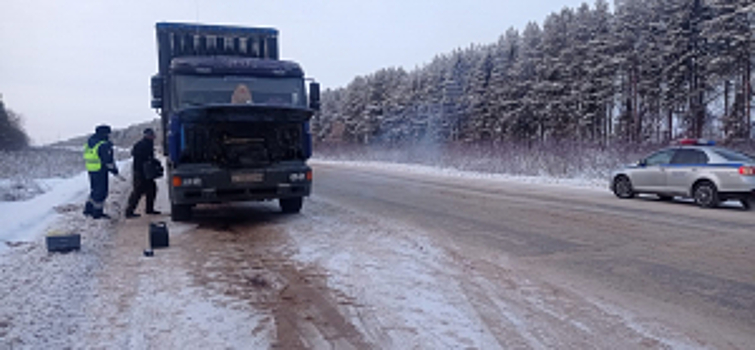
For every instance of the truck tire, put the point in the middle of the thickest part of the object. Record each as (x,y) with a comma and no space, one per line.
(291,205)
(180,212)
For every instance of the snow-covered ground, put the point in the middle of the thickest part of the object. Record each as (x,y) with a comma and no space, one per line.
(43,296)
(21,189)
(396,285)
(402,294)
(403,289)
(29,219)
(107,295)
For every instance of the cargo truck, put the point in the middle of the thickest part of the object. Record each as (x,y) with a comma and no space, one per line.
(235,118)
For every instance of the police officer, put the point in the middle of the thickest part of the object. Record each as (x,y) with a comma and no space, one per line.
(98,156)
(143,153)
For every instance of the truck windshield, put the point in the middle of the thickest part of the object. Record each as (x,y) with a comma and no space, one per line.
(192,90)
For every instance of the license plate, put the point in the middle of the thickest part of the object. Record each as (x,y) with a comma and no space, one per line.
(247,177)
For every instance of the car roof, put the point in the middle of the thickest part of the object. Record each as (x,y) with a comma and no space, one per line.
(710,151)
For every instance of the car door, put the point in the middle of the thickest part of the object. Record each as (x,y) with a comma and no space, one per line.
(685,169)
(650,174)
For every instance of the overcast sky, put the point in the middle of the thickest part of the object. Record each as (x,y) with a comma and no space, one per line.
(68,65)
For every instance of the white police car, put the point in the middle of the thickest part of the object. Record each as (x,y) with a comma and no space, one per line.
(695,169)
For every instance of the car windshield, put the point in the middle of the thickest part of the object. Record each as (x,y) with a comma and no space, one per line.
(205,90)
(660,157)
(733,156)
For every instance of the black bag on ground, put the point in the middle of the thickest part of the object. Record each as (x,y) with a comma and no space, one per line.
(153,169)
(158,235)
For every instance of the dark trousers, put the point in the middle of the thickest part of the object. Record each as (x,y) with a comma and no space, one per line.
(98,184)
(142,187)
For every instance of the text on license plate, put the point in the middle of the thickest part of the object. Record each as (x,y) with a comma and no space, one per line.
(249,177)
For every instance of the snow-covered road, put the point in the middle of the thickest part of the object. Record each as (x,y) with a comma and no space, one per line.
(390,257)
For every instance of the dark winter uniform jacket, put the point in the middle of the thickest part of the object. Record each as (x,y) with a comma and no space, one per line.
(143,151)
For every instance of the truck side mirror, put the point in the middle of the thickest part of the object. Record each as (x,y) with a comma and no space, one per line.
(314,96)
(157,91)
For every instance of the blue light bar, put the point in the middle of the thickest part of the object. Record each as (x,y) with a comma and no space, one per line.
(704,142)
(695,142)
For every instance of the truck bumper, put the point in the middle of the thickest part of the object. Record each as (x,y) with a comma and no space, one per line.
(208,184)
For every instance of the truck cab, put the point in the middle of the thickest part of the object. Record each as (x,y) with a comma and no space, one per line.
(235,118)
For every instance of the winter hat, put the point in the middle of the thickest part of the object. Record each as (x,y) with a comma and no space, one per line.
(103,130)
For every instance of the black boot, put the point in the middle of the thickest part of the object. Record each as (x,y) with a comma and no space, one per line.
(100,216)
(88,210)
(153,212)
(131,215)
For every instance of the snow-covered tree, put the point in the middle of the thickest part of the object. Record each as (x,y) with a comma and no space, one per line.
(650,71)
(12,135)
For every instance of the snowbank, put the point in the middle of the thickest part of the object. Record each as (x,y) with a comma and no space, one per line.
(25,221)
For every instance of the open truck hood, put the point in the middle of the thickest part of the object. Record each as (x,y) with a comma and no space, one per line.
(240,136)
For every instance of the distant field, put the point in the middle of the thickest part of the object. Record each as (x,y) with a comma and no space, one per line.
(567,162)
(31,172)
(40,163)
(25,174)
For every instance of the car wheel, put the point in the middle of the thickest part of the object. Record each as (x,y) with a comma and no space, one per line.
(665,198)
(291,205)
(622,187)
(706,195)
(746,203)
(180,212)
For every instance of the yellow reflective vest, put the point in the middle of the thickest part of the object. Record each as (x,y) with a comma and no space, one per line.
(92,157)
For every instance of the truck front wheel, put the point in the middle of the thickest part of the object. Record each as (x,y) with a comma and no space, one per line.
(291,205)
(180,212)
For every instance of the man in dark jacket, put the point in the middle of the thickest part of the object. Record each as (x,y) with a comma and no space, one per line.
(143,153)
(98,156)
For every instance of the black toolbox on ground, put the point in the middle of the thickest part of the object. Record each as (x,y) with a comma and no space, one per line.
(63,242)
(158,235)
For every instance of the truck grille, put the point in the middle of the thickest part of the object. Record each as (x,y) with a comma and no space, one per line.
(242,144)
